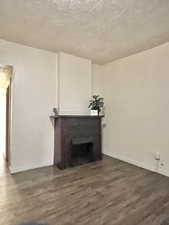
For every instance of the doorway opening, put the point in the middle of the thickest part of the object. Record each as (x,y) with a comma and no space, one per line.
(5,117)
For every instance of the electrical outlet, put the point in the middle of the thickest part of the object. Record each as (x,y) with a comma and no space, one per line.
(157,156)
(104,125)
(162,164)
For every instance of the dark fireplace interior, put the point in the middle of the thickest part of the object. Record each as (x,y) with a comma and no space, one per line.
(81,151)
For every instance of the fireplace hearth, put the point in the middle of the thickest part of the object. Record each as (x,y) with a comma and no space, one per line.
(77,140)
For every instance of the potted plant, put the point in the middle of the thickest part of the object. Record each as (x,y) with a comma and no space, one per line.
(96,104)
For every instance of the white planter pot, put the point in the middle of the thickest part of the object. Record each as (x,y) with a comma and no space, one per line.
(94,112)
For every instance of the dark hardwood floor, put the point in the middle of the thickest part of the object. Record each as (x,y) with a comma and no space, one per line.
(109,192)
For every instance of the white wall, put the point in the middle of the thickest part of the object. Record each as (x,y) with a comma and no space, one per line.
(98,84)
(74,84)
(2,122)
(98,88)
(42,80)
(136,91)
(34,96)
(136,97)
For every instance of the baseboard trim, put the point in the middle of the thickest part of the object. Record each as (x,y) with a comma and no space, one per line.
(115,155)
(135,163)
(19,169)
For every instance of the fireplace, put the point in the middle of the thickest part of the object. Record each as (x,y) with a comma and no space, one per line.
(81,151)
(77,140)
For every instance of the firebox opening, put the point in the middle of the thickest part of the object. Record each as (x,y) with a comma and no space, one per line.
(81,153)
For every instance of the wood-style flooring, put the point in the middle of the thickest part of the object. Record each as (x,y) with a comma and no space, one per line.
(109,192)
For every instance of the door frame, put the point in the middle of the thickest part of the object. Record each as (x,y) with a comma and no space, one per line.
(8,124)
(8,117)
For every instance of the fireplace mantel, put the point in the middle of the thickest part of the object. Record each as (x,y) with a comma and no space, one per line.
(71,129)
(75,116)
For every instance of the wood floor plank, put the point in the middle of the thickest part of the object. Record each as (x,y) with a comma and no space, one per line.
(109,192)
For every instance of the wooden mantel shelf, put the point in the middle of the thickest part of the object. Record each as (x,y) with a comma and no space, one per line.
(75,116)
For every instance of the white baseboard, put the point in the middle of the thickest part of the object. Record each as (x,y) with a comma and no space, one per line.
(18,169)
(136,163)
(115,155)
(131,161)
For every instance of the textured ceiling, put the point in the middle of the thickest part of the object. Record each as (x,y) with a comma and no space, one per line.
(101,30)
